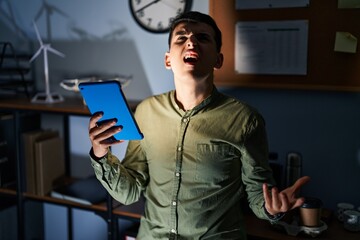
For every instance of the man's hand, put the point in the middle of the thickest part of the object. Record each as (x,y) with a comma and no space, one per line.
(99,135)
(286,200)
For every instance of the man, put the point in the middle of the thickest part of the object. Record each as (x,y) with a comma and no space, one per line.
(201,153)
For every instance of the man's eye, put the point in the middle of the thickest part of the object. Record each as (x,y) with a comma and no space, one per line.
(181,39)
(202,37)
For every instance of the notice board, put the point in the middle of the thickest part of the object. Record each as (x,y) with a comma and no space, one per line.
(326,69)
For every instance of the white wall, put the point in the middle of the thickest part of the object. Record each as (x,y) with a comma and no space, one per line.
(91,22)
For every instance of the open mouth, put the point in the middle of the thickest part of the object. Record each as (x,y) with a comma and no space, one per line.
(190,58)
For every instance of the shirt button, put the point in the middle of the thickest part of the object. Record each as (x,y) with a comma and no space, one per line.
(174,203)
(177,174)
(173,231)
(179,149)
(185,120)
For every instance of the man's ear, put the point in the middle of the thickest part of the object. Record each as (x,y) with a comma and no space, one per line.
(167,61)
(219,61)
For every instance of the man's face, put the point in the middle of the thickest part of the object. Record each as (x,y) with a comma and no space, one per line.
(193,51)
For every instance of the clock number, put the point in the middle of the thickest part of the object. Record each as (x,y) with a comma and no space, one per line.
(170,21)
(140,13)
(179,11)
(149,21)
(156,16)
(160,25)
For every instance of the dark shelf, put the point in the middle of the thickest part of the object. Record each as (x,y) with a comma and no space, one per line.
(20,56)
(7,198)
(15,69)
(110,210)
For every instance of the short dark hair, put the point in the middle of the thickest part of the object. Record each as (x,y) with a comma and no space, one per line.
(193,16)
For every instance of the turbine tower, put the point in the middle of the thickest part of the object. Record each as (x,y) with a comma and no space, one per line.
(47,96)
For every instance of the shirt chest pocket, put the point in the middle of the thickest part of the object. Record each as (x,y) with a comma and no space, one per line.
(217,162)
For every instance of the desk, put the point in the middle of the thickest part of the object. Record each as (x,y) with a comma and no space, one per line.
(73,106)
(69,106)
(261,229)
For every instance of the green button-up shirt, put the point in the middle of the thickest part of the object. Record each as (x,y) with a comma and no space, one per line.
(193,168)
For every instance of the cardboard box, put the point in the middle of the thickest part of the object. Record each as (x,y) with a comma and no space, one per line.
(44,160)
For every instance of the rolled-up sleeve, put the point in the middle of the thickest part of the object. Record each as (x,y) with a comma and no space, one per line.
(256,170)
(123,180)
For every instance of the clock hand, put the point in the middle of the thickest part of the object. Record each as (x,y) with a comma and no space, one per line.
(147,5)
(169,4)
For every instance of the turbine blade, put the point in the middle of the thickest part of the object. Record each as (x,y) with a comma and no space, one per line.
(39,13)
(56,9)
(36,54)
(37,33)
(55,52)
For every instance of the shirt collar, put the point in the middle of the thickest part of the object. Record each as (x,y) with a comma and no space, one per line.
(214,94)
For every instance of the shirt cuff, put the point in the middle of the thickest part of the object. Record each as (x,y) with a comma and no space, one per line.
(92,155)
(273,218)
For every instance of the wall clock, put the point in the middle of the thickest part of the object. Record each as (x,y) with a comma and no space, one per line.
(156,15)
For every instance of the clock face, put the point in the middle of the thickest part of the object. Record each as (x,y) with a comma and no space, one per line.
(156,15)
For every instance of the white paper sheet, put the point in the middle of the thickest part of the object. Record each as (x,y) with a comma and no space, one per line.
(271,47)
(260,4)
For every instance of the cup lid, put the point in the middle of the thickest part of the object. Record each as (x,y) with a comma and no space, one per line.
(345,205)
(352,213)
(311,202)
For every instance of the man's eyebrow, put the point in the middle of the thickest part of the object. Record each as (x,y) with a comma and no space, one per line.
(180,32)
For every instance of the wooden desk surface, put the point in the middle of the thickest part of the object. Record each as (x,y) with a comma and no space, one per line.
(68,106)
(262,229)
(256,229)
(133,211)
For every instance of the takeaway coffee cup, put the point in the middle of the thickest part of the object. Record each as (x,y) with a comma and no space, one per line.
(352,220)
(310,212)
(341,208)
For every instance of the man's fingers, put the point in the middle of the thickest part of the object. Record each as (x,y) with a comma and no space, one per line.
(298,202)
(276,201)
(284,202)
(106,127)
(300,182)
(94,118)
(99,134)
(266,193)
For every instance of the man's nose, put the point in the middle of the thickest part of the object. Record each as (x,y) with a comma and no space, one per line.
(192,41)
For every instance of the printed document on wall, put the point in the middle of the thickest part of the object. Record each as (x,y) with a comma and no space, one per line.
(271,47)
(261,4)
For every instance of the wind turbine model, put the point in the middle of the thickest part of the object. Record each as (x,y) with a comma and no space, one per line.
(47,96)
(48,10)
(10,16)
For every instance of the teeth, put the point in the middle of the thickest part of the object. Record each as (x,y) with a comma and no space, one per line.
(190,57)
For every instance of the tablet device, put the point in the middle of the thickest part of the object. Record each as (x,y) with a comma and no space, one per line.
(108,97)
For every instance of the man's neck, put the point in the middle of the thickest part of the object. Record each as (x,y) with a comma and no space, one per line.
(189,96)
